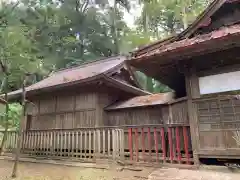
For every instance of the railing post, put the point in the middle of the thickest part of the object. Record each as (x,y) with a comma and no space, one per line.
(109,143)
(143,145)
(156,143)
(81,143)
(114,144)
(94,144)
(130,143)
(90,144)
(73,143)
(53,140)
(122,144)
(117,143)
(136,143)
(85,144)
(170,142)
(186,144)
(104,142)
(178,145)
(149,145)
(77,144)
(65,143)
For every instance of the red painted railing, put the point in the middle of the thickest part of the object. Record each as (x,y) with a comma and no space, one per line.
(158,143)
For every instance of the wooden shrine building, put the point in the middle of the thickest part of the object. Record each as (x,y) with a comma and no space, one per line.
(75,97)
(98,111)
(203,64)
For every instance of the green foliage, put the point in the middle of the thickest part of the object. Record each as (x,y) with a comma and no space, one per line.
(16,50)
(42,36)
(14,115)
(167,17)
(160,19)
(134,39)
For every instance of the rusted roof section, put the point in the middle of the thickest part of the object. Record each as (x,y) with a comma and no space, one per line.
(78,73)
(185,43)
(201,20)
(101,69)
(139,101)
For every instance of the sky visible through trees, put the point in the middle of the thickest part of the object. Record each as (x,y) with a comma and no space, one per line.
(42,36)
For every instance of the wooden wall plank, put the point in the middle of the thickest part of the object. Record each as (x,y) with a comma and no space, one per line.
(47,104)
(65,103)
(86,101)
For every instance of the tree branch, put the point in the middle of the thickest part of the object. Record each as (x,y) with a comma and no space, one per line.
(84,6)
(3,67)
(6,13)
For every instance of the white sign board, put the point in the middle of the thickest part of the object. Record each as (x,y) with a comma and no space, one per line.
(220,83)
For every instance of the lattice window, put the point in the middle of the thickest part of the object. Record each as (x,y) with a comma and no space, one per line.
(219,122)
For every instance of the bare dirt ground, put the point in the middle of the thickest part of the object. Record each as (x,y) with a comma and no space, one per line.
(184,174)
(37,171)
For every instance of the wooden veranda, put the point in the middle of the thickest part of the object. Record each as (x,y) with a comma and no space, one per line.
(139,144)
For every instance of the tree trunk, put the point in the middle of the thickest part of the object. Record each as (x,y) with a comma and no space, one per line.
(145,22)
(6,126)
(4,89)
(115,34)
(149,83)
(19,138)
(184,18)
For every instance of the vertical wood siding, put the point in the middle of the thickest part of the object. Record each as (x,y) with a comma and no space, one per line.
(135,116)
(86,101)
(178,113)
(65,103)
(63,111)
(175,113)
(47,105)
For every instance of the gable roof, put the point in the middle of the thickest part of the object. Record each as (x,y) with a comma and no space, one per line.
(201,20)
(140,101)
(101,69)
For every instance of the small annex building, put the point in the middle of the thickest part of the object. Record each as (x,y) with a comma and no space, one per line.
(76,97)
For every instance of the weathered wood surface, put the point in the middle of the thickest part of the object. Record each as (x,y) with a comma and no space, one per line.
(219,125)
(133,116)
(63,111)
(174,113)
(87,144)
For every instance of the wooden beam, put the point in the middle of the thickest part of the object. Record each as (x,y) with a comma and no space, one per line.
(192,115)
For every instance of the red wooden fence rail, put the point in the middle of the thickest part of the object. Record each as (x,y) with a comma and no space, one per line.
(164,144)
